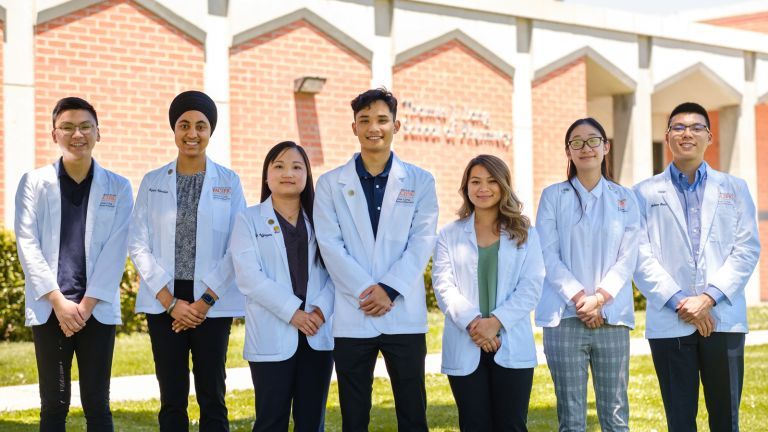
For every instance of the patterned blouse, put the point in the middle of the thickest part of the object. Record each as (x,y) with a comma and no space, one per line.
(188,189)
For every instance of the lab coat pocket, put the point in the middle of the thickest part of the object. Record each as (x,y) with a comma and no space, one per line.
(263,330)
(221,215)
(454,346)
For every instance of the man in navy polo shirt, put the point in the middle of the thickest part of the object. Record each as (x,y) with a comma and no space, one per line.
(375,221)
(71,231)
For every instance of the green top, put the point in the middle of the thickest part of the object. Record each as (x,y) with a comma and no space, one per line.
(487,272)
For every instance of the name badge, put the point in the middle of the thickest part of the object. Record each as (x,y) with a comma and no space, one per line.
(222,193)
(406,196)
(108,200)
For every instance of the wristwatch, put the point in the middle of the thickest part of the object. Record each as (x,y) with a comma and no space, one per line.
(208,299)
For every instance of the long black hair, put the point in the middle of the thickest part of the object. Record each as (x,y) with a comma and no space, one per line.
(604,168)
(307,196)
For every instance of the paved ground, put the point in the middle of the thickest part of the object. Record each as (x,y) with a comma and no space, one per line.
(144,387)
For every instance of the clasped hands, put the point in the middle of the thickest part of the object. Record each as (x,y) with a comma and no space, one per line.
(72,316)
(308,322)
(589,308)
(484,333)
(696,310)
(374,301)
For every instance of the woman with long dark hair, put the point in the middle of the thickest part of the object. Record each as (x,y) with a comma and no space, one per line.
(487,277)
(588,226)
(278,268)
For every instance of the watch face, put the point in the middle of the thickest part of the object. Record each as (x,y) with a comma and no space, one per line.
(208,299)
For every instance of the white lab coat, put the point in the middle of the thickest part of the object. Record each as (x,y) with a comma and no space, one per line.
(728,252)
(396,257)
(621,226)
(152,239)
(518,289)
(263,276)
(38,229)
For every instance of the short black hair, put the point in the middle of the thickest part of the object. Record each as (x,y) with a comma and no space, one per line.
(689,107)
(368,97)
(72,103)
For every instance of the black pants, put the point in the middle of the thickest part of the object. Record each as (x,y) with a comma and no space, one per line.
(404,356)
(93,346)
(492,398)
(208,343)
(302,379)
(718,360)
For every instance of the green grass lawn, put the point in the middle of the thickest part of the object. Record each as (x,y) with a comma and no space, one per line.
(17,359)
(646,410)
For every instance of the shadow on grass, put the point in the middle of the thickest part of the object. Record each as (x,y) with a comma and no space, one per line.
(442,417)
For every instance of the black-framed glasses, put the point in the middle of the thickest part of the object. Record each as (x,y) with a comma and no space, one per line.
(695,128)
(578,144)
(69,129)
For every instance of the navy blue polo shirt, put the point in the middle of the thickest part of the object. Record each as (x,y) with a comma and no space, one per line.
(74,210)
(373,188)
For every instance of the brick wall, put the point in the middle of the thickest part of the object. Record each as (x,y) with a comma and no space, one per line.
(559,99)
(712,154)
(129,64)
(265,110)
(757,22)
(761,119)
(454,88)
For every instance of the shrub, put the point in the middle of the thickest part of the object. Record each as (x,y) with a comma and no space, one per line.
(12,294)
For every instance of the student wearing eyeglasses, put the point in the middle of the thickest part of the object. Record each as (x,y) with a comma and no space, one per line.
(71,227)
(698,248)
(588,226)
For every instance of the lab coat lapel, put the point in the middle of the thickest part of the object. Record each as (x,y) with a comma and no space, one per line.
(668,194)
(94,201)
(205,209)
(394,185)
(53,195)
(709,206)
(267,211)
(353,194)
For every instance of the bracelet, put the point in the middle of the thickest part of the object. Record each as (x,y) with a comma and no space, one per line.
(171,306)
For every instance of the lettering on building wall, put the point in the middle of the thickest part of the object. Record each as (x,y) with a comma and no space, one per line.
(453,124)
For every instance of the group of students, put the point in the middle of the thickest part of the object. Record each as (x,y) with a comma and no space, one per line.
(333,275)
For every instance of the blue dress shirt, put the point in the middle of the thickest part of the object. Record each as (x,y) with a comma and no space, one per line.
(691,197)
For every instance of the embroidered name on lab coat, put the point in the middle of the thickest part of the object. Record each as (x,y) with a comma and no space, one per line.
(406,196)
(622,203)
(262,235)
(726,198)
(658,204)
(222,193)
(108,200)
(158,190)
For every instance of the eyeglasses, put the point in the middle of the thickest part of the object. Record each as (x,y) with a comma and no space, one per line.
(696,128)
(578,144)
(68,129)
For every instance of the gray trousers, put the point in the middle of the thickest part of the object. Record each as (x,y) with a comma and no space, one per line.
(571,349)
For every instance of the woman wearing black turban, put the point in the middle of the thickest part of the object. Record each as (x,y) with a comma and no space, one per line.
(179,243)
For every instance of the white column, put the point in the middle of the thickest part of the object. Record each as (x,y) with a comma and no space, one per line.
(18,98)
(383,57)
(744,165)
(216,82)
(522,119)
(638,161)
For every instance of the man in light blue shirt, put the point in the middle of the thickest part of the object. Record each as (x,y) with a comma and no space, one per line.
(698,248)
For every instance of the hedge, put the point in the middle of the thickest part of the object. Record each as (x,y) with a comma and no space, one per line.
(12,298)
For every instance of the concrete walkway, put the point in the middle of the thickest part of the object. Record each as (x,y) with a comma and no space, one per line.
(143,387)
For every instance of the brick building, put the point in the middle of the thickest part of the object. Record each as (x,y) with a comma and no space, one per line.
(487,76)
